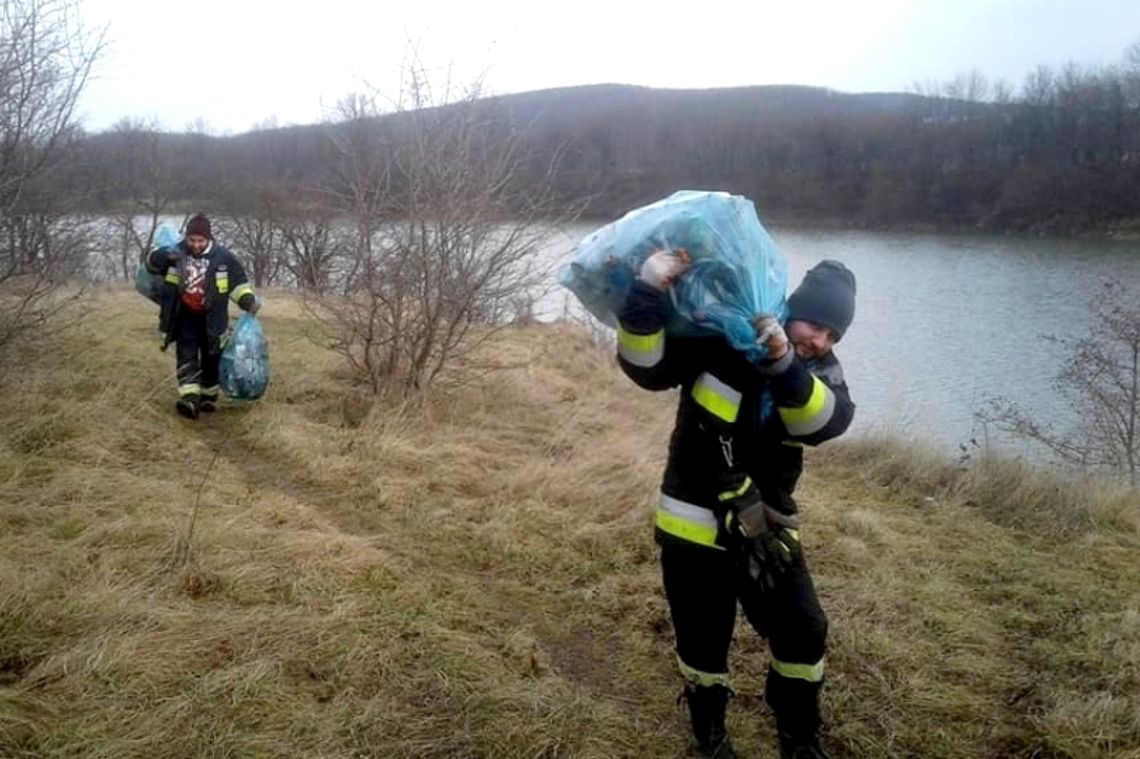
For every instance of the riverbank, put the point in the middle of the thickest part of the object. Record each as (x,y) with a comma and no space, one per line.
(474,574)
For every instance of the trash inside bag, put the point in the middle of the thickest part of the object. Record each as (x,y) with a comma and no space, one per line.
(736,271)
(245,361)
(147,284)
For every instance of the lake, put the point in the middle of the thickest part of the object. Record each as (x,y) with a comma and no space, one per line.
(944,322)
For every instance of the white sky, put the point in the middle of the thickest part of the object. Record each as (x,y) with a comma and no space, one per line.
(236,63)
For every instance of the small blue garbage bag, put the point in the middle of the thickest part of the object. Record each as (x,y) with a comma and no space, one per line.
(147,284)
(245,361)
(737,271)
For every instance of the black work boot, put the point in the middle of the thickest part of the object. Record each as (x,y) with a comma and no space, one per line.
(209,404)
(795,704)
(707,705)
(800,747)
(187,406)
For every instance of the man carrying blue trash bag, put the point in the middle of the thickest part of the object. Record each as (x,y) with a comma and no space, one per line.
(199,279)
(696,288)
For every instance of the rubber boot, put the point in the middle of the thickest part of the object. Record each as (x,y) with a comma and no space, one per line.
(795,704)
(707,705)
(801,747)
(187,406)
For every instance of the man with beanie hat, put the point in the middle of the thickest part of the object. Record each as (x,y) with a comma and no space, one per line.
(783,601)
(825,298)
(725,522)
(200,278)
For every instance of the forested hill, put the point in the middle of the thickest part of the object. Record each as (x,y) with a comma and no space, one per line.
(1063,156)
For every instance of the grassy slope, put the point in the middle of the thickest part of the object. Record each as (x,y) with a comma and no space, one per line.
(476,576)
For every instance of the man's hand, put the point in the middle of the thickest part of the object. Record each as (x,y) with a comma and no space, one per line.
(663,267)
(764,529)
(770,333)
(249,303)
(770,541)
(778,533)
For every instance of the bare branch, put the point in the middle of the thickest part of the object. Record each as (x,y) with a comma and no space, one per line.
(447,223)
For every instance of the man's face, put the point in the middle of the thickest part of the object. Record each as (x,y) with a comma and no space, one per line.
(197,243)
(810,340)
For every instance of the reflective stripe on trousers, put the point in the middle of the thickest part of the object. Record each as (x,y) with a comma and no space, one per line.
(695,676)
(813,673)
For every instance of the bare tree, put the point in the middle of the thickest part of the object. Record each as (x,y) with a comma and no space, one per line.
(257,217)
(1101,384)
(447,228)
(1131,74)
(145,185)
(313,247)
(970,86)
(46,58)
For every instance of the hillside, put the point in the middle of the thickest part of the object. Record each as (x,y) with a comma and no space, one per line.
(474,575)
(1057,159)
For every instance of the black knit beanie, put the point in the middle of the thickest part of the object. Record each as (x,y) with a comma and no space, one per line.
(825,297)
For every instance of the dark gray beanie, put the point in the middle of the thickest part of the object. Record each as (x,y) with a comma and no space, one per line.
(825,297)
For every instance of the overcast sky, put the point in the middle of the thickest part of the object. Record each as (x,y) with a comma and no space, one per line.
(237,63)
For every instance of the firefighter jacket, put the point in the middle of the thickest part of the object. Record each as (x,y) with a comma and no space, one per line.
(729,412)
(815,406)
(224,279)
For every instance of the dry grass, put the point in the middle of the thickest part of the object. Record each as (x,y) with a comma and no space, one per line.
(475,576)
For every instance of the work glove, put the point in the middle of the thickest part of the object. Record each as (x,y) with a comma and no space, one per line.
(663,267)
(770,333)
(768,540)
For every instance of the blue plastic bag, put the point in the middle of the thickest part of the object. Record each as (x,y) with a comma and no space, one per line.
(146,283)
(736,271)
(244,366)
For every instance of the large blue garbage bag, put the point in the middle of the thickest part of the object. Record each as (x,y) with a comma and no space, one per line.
(147,284)
(245,361)
(737,271)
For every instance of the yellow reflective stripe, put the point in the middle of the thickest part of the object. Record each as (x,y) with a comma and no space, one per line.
(172,277)
(687,521)
(717,398)
(697,677)
(241,290)
(190,389)
(813,673)
(222,282)
(681,528)
(813,415)
(210,390)
(728,495)
(641,350)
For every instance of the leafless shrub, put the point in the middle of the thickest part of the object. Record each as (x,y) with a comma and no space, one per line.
(1101,384)
(45,59)
(447,228)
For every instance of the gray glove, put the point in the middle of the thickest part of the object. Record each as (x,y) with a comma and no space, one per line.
(769,539)
(770,333)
